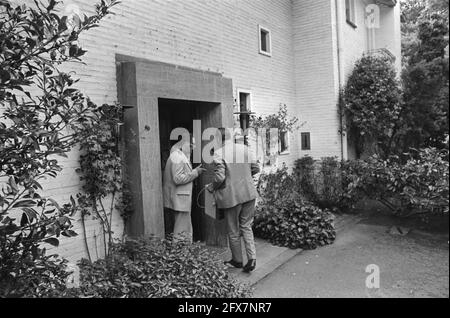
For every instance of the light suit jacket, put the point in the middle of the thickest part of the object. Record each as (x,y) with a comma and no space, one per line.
(177,182)
(233,175)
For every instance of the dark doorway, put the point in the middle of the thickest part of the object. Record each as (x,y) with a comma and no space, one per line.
(181,114)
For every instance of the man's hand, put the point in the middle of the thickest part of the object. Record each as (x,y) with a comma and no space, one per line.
(210,188)
(200,170)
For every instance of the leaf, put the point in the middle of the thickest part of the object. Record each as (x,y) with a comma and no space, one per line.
(52,241)
(4,76)
(73,50)
(63,220)
(31,214)
(31,43)
(51,5)
(36,184)
(24,203)
(71,233)
(12,183)
(62,24)
(54,203)
(24,220)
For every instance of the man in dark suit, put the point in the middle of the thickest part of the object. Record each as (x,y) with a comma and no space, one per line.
(235,193)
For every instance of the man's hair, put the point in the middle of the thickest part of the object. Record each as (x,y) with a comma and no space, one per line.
(174,142)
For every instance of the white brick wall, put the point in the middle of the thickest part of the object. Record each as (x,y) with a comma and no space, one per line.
(316,75)
(316,62)
(387,36)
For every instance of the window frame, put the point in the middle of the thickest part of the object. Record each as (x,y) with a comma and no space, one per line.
(288,144)
(240,91)
(269,42)
(350,13)
(248,92)
(302,146)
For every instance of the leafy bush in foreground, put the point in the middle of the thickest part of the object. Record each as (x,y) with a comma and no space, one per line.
(40,277)
(158,269)
(39,110)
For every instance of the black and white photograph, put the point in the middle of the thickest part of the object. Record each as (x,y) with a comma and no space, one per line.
(224,154)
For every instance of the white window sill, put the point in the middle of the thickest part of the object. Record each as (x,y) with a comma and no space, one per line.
(352,24)
(265,53)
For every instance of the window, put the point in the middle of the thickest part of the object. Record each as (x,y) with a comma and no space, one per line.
(244,108)
(265,42)
(284,142)
(306,141)
(350,12)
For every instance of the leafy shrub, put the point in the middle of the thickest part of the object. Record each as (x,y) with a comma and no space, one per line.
(323,183)
(157,269)
(305,174)
(285,219)
(372,106)
(33,276)
(419,186)
(294,223)
(273,186)
(40,109)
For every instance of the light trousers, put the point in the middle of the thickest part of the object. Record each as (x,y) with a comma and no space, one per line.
(182,229)
(239,222)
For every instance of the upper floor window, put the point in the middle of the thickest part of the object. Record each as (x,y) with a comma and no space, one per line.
(265,41)
(350,12)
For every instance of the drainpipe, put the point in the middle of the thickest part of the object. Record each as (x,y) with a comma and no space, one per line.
(340,53)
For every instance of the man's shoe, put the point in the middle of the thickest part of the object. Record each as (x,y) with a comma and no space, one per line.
(234,264)
(250,266)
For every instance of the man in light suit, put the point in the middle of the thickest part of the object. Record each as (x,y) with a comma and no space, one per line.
(235,193)
(177,188)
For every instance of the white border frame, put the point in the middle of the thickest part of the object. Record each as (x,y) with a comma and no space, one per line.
(262,28)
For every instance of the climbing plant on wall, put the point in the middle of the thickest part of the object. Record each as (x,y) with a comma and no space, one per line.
(101,170)
(281,121)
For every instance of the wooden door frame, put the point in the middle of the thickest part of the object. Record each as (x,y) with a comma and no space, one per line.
(140,84)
